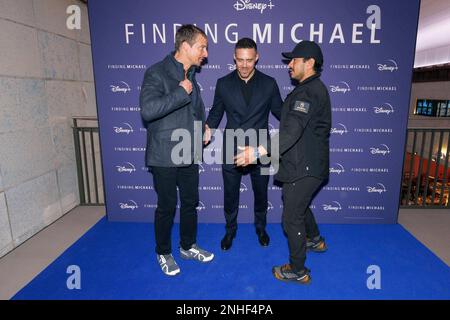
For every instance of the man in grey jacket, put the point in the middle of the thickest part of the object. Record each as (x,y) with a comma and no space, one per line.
(170,100)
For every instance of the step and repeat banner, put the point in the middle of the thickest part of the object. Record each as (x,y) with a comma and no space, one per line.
(368,49)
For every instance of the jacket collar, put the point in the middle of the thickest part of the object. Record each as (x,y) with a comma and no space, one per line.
(175,67)
(304,82)
(308,80)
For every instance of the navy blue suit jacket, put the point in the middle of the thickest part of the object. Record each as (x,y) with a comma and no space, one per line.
(228,98)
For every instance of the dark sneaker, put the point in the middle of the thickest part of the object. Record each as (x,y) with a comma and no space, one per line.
(168,264)
(317,245)
(196,253)
(286,274)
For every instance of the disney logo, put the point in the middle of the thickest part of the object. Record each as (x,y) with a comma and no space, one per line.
(126,205)
(339,131)
(127,130)
(387,110)
(338,89)
(248,5)
(380,189)
(121,89)
(382,151)
(338,170)
(385,67)
(330,207)
(130,169)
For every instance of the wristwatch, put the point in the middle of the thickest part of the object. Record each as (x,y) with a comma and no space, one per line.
(256,153)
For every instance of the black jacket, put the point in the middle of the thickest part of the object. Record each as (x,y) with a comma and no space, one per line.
(166,106)
(228,98)
(305,132)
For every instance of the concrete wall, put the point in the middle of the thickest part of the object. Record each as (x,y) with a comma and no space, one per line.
(45,79)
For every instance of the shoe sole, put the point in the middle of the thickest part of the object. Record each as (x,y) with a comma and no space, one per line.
(172,273)
(304,283)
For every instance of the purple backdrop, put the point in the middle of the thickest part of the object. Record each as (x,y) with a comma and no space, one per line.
(368,50)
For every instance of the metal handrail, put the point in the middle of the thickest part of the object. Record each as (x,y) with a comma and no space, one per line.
(85,160)
(425,179)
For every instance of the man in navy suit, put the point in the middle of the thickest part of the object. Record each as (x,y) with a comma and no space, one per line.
(247,96)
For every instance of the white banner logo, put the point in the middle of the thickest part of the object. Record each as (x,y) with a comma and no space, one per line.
(340,89)
(127,168)
(391,66)
(124,88)
(387,108)
(380,188)
(338,170)
(383,150)
(332,207)
(248,5)
(341,130)
(130,205)
(127,130)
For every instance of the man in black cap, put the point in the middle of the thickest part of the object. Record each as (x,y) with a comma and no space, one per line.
(304,164)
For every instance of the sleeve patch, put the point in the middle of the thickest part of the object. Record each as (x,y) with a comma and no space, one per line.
(301,106)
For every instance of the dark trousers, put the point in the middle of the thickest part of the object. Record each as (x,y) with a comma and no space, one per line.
(165,181)
(232,183)
(298,220)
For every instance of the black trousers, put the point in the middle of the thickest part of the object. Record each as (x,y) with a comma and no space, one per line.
(232,183)
(165,181)
(298,220)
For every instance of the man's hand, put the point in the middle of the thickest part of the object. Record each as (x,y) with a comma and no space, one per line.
(207,135)
(187,85)
(246,157)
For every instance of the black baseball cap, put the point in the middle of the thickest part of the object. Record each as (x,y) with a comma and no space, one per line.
(305,49)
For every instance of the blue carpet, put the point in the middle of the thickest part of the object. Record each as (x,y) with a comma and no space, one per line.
(117,261)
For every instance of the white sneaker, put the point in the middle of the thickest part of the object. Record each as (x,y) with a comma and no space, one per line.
(168,264)
(196,253)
